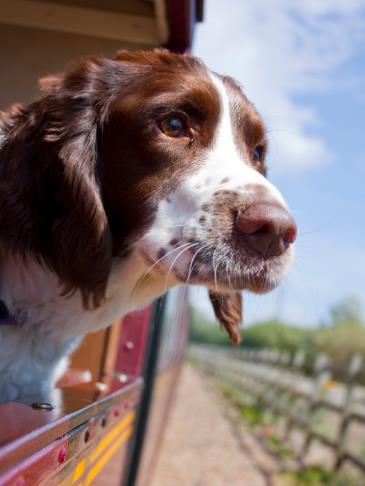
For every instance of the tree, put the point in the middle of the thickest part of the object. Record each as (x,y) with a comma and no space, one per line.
(347,310)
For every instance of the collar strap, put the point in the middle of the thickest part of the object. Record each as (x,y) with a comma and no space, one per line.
(5,316)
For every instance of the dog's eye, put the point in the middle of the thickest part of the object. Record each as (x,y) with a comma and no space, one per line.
(173,126)
(257,153)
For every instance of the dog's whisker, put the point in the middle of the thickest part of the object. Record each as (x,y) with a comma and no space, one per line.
(227,273)
(215,271)
(192,262)
(175,259)
(316,230)
(144,275)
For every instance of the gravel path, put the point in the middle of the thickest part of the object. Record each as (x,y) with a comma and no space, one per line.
(202,447)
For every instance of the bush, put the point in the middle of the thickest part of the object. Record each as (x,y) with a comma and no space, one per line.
(340,343)
(278,335)
(339,338)
(206,332)
(270,334)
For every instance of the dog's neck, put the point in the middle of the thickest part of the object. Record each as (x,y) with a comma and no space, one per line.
(49,326)
(33,295)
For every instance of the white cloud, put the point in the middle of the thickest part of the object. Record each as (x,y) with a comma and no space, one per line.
(279,48)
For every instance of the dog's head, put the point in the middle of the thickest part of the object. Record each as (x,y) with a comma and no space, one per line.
(160,156)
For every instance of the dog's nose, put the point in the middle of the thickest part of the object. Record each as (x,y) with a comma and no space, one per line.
(266,228)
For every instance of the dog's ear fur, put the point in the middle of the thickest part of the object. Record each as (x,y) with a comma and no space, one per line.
(228,310)
(50,201)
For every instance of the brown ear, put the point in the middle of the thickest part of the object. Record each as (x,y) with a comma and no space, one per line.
(51,83)
(50,192)
(228,311)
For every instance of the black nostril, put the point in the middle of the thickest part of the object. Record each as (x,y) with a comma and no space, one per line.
(265,229)
(291,233)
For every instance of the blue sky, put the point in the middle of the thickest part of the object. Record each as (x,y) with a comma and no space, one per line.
(303,65)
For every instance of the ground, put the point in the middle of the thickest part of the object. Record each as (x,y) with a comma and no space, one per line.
(202,445)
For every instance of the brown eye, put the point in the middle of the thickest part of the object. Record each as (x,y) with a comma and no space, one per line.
(257,153)
(173,126)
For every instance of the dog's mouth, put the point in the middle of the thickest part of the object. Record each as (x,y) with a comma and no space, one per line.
(232,271)
(225,269)
(222,268)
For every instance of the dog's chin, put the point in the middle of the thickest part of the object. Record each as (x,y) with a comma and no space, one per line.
(228,272)
(258,276)
(258,284)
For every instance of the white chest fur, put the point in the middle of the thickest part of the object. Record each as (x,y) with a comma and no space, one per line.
(32,294)
(33,353)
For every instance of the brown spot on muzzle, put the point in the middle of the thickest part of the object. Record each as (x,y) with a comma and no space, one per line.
(174,242)
(228,311)
(226,204)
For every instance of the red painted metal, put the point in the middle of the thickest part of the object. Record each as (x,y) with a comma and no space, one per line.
(182,15)
(38,446)
(44,467)
(174,337)
(25,432)
(132,342)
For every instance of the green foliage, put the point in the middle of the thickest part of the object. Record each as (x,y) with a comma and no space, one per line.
(346,311)
(341,341)
(318,476)
(342,336)
(277,446)
(206,332)
(255,416)
(270,334)
(277,335)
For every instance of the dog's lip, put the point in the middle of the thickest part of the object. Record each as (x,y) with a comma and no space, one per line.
(256,284)
(259,276)
(250,272)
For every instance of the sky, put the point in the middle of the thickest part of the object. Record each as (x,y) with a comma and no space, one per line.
(302,63)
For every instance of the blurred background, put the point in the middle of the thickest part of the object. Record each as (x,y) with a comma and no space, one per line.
(303,65)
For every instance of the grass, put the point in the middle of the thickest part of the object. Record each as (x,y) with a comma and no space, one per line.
(254,415)
(318,476)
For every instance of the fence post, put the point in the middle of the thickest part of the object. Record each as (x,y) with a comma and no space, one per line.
(298,360)
(322,374)
(354,369)
(296,365)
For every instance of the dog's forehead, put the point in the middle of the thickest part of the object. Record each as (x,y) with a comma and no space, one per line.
(163,77)
(247,124)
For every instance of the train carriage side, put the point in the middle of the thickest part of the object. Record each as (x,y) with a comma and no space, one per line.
(106,419)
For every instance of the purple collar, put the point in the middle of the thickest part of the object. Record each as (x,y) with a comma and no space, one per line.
(5,317)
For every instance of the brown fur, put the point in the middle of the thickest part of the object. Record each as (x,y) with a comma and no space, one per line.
(228,311)
(82,169)
(72,210)
(139,164)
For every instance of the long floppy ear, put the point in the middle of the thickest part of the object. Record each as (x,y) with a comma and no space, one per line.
(50,192)
(228,311)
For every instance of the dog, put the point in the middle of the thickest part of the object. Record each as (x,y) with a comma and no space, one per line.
(129,176)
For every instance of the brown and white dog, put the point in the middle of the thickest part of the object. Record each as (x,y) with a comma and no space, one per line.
(131,175)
